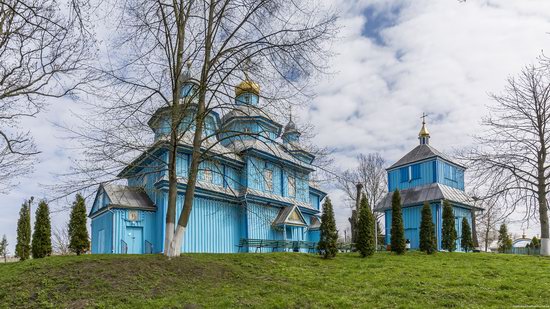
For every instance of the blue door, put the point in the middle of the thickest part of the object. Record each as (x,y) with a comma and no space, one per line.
(134,235)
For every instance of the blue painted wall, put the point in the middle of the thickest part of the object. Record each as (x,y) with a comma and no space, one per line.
(450,175)
(102,236)
(214,226)
(413,175)
(424,173)
(412,217)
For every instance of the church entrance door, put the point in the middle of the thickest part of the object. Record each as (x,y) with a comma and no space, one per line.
(134,235)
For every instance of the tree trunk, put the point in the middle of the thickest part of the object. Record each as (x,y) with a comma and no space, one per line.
(543,216)
(474,230)
(174,135)
(177,241)
(172,193)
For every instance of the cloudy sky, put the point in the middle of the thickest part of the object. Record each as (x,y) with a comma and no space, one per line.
(394,60)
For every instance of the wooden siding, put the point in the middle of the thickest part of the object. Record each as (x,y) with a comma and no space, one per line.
(460,213)
(314,201)
(255,179)
(259,222)
(214,226)
(113,234)
(412,220)
(102,224)
(397,181)
(443,177)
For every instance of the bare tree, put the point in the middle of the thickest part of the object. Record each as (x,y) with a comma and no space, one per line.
(161,45)
(371,174)
(497,205)
(43,54)
(61,241)
(515,144)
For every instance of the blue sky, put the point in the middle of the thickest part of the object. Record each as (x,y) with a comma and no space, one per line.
(394,60)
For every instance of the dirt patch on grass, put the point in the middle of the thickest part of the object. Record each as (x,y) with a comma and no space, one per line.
(78,284)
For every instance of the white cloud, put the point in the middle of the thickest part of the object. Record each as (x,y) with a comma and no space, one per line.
(439,57)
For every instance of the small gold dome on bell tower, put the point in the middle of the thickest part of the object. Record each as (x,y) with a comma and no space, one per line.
(424,134)
(423,131)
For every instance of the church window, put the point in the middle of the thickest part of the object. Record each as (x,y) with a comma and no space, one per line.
(415,171)
(268,180)
(291,186)
(207,175)
(450,172)
(246,130)
(404,171)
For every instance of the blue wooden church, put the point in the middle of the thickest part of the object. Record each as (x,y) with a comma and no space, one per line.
(426,175)
(254,185)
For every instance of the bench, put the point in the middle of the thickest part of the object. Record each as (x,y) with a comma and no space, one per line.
(295,245)
(346,247)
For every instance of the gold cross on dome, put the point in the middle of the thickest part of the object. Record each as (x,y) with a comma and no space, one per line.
(424,115)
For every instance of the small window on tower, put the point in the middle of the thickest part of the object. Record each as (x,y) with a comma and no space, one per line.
(404,173)
(246,130)
(208,175)
(415,171)
(268,180)
(291,186)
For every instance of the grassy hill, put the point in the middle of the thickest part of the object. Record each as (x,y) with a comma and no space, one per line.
(277,280)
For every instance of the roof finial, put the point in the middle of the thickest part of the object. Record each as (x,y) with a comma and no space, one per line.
(290,113)
(247,85)
(246,68)
(424,135)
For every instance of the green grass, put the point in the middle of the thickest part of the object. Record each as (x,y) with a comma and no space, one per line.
(278,280)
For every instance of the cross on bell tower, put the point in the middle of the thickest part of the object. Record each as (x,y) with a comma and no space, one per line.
(424,135)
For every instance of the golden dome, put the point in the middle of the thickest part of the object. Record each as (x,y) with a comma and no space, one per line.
(247,86)
(423,131)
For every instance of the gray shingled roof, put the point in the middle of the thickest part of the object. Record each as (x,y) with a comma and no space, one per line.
(270,148)
(244,192)
(419,153)
(127,197)
(429,193)
(249,111)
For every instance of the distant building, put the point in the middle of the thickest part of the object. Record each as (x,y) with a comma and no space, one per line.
(252,186)
(426,175)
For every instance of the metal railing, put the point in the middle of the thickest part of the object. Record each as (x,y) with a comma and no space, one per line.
(123,247)
(148,247)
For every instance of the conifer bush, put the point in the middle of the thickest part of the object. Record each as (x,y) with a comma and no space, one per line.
(328,244)
(466,241)
(504,240)
(535,243)
(427,231)
(79,241)
(365,232)
(23,246)
(449,236)
(42,236)
(397,229)
(4,248)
